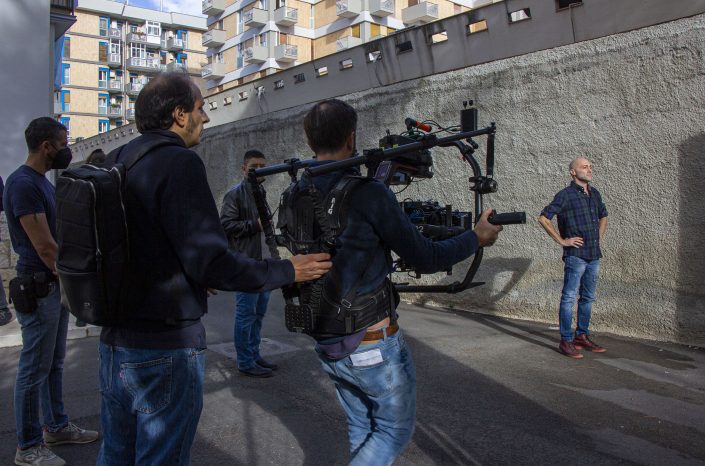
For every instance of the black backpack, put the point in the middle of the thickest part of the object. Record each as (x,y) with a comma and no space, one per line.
(92,236)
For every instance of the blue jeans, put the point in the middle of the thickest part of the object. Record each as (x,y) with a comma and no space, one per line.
(579,275)
(151,404)
(378,394)
(249,312)
(40,369)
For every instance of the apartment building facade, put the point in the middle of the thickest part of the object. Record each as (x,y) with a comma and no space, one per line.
(250,39)
(111,52)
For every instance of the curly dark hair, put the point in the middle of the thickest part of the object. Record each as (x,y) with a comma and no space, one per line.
(160,97)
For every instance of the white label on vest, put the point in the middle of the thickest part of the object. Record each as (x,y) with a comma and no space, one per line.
(332,203)
(368,358)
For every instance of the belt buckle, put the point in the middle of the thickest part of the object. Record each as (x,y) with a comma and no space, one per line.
(346,303)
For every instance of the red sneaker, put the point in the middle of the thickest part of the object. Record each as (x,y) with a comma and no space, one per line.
(584,342)
(569,349)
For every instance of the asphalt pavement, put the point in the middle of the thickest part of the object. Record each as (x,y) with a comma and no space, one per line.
(490,391)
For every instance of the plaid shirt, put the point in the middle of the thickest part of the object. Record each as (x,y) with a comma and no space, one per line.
(579,214)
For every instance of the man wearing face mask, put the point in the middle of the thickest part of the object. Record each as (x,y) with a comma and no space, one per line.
(31,216)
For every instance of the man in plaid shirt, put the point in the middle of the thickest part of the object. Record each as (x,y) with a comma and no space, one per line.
(582,221)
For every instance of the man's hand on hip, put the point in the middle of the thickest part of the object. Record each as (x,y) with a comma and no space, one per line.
(486,233)
(574,242)
(310,266)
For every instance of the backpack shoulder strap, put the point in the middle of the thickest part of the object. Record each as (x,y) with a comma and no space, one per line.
(338,200)
(139,152)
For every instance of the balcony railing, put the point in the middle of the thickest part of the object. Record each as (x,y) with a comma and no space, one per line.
(133,88)
(115,111)
(112,59)
(212,7)
(130,114)
(286,16)
(348,8)
(63,4)
(115,85)
(286,53)
(213,71)
(144,64)
(347,42)
(255,54)
(255,17)
(174,66)
(175,44)
(213,38)
(381,7)
(142,38)
(58,108)
(423,12)
(115,33)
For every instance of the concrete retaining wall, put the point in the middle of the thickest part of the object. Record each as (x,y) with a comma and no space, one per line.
(633,103)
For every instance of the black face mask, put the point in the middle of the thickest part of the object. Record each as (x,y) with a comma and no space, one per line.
(61,159)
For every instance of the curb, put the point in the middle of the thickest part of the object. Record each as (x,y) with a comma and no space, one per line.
(11,335)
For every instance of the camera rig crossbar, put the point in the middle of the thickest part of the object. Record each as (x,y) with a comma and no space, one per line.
(398,161)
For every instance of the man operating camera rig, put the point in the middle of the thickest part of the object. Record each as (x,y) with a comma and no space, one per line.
(359,342)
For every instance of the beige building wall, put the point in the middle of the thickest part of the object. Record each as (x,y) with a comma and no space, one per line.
(303,46)
(87,23)
(325,13)
(230,25)
(327,44)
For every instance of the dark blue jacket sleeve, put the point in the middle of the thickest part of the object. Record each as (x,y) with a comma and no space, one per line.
(190,220)
(381,209)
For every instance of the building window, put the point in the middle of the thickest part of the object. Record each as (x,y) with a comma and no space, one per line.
(154,28)
(262,39)
(65,101)
(355,31)
(66,75)
(103,25)
(103,104)
(138,50)
(239,60)
(67,47)
(283,38)
(262,4)
(183,35)
(133,28)
(103,78)
(240,22)
(103,126)
(66,121)
(280,3)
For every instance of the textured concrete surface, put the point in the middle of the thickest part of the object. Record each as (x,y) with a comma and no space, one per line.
(491,391)
(633,103)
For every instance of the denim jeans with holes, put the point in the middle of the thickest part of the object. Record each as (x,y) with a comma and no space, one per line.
(376,386)
(151,404)
(579,281)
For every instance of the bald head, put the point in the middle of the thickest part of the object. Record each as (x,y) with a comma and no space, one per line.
(581,170)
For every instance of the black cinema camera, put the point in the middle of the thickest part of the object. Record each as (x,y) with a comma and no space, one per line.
(400,160)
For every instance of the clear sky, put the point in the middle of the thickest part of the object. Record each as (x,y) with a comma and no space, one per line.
(190,7)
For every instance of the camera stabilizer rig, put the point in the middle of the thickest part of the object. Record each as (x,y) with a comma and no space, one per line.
(399,160)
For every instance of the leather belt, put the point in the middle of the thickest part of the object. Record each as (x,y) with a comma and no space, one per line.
(376,335)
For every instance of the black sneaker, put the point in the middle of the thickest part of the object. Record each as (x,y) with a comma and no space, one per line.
(266,364)
(257,371)
(5,316)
